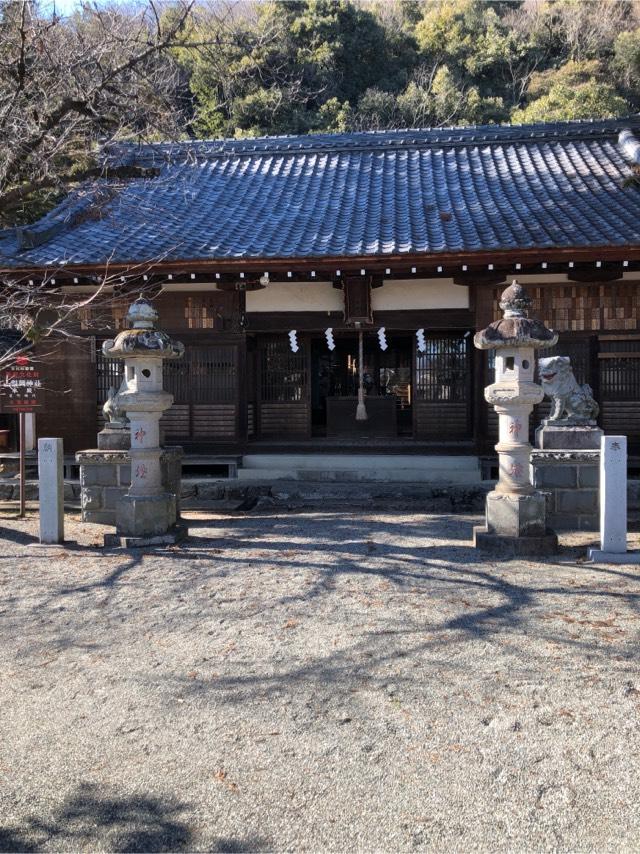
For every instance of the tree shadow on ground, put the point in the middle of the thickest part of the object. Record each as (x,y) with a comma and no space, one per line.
(478,599)
(135,823)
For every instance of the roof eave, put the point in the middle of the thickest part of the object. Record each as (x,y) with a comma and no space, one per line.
(346,263)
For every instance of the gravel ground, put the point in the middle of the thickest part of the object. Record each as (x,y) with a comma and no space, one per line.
(318,682)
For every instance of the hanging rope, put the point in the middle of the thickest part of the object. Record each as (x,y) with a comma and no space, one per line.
(361,409)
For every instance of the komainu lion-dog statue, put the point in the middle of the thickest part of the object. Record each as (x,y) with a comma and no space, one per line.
(570,401)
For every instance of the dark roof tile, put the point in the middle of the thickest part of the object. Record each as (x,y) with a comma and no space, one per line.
(360,194)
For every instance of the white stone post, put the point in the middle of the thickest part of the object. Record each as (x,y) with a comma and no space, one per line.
(29,431)
(613,503)
(51,490)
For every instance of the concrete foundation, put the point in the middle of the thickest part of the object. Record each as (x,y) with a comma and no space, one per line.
(175,534)
(348,468)
(502,546)
(105,477)
(598,556)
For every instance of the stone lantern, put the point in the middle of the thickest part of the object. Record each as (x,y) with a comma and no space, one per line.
(147,514)
(516,523)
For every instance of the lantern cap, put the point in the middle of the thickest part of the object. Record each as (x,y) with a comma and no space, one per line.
(516,328)
(142,338)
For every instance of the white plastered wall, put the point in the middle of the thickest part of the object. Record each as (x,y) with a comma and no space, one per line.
(394,295)
(296,296)
(402,294)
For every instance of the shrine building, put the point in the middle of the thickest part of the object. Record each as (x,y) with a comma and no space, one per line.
(271,258)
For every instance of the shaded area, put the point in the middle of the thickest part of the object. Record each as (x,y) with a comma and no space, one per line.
(135,823)
(93,817)
(278,673)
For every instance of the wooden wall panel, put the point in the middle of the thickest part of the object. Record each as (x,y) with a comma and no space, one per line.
(214,421)
(621,418)
(285,420)
(176,422)
(70,399)
(583,307)
(444,421)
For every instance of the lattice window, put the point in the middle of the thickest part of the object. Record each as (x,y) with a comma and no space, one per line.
(109,373)
(203,375)
(283,373)
(443,371)
(619,365)
(204,312)
(212,375)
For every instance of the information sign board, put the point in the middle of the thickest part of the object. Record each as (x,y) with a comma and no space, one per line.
(20,386)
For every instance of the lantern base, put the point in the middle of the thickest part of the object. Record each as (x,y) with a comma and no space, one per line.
(515,526)
(146,518)
(516,514)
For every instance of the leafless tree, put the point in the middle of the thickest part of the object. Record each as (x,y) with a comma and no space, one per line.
(69,89)
(68,85)
(46,310)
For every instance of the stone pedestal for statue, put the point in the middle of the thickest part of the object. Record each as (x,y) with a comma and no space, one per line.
(114,438)
(565,468)
(515,515)
(147,514)
(565,462)
(105,477)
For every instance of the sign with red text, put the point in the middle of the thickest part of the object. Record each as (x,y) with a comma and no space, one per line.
(21,386)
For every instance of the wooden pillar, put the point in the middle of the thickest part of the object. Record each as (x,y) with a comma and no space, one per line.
(242,397)
(482,304)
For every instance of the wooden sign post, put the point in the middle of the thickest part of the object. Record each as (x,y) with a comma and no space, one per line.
(21,392)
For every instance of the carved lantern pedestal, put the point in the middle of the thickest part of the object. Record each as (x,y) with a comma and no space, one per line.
(147,514)
(516,519)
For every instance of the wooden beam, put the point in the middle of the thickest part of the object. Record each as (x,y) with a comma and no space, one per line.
(431,265)
(479,278)
(606,273)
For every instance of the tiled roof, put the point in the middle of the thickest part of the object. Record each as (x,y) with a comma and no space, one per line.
(453,190)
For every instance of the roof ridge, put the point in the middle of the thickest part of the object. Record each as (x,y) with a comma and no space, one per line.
(451,136)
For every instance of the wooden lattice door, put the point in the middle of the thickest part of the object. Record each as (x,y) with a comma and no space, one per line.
(443,388)
(284,409)
(204,385)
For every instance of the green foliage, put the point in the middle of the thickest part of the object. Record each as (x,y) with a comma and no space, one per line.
(334,65)
(626,62)
(576,90)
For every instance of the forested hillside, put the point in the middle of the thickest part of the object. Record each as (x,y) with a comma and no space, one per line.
(334,65)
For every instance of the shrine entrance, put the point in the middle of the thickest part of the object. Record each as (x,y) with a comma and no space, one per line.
(387,383)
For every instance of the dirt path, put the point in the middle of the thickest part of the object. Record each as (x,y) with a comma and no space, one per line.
(320,681)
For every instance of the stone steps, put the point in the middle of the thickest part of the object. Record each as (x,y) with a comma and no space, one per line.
(349,468)
(296,494)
